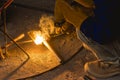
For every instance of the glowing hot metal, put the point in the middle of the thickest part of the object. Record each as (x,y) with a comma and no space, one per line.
(39,39)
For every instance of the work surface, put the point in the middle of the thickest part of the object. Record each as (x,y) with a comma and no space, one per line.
(21,20)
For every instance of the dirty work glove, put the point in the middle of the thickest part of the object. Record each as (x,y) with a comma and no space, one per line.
(66,27)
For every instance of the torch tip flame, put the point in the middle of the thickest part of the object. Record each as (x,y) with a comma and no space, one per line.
(38,40)
(36,36)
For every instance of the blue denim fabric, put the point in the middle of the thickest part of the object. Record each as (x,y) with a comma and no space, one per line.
(102,27)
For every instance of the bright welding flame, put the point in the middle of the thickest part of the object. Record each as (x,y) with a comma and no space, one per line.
(39,39)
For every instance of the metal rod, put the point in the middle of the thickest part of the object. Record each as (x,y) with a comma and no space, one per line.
(11,42)
(23,42)
(5,29)
(15,43)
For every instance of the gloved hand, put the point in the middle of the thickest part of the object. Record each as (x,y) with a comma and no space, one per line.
(50,29)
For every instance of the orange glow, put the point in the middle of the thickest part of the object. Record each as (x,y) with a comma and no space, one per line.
(38,39)
(36,36)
